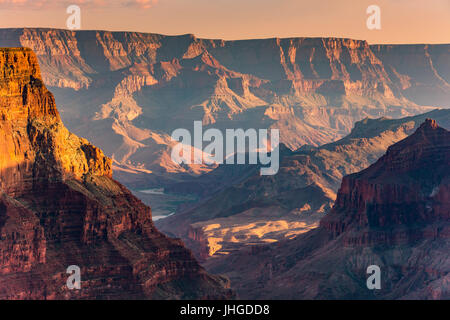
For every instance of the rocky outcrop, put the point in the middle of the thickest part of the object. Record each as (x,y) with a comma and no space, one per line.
(406,187)
(394,214)
(59,206)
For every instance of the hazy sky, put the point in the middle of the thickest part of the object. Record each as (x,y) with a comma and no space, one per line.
(402,21)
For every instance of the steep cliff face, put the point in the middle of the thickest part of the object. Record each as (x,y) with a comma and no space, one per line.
(59,207)
(36,144)
(394,214)
(123,89)
(408,186)
(308,65)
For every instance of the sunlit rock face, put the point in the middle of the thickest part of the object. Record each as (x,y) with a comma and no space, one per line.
(59,207)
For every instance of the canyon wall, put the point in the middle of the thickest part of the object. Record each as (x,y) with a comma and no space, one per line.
(59,206)
(128,91)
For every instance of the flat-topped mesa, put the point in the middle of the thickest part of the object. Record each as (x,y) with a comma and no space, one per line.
(301,64)
(35,143)
(408,188)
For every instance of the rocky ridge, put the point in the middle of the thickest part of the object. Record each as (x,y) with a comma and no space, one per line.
(127,91)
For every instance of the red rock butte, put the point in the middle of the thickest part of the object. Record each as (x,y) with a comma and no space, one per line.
(408,186)
(395,214)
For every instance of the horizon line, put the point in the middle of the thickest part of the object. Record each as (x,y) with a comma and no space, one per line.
(229,40)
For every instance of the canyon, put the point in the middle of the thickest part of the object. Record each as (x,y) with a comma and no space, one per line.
(59,206)
(340,105)
(126,91)
(248,209)
(395,214)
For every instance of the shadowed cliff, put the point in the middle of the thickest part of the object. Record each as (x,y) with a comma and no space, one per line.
(394,214)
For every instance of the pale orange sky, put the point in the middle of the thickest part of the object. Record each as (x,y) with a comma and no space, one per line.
(402,21)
